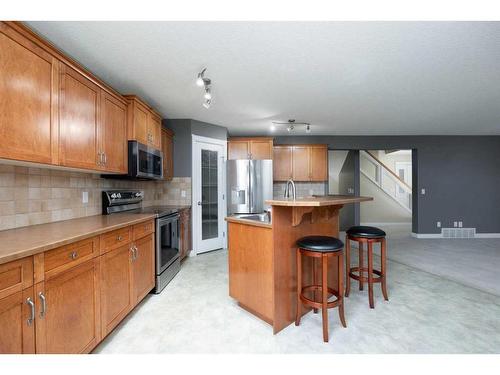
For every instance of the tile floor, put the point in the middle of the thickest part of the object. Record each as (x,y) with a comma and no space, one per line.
(427,313)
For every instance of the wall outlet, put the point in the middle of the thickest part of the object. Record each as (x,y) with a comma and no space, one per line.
(438,224)
(183,193)
(85,197)
(455,224)
(460,224)
(422,191)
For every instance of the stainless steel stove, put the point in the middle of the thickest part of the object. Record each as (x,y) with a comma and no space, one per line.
(167,243)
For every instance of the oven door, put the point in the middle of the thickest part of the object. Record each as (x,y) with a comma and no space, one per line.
(167,242)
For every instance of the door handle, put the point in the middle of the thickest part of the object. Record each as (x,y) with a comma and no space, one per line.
(44,304)
(30,320)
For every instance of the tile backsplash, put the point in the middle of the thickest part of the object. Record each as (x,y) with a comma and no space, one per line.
(31,196)
(302,189)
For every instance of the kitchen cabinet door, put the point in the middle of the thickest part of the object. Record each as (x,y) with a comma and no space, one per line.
(282,163)
(143,268)
(113,133)
(319,163)
(154,130)
(261,149)
(140,120)
(300,163)
(79,121)
(17,326)
(71,323)
(185,232)
(238,150)
(116,299)
(167,147)
(28,100)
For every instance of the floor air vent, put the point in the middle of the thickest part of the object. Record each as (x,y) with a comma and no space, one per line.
(458,232)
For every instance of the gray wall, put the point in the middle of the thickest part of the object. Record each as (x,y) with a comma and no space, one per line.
(346,181)
(184,129)
(461,175)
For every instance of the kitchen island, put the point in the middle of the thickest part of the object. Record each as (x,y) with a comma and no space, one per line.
(262,262)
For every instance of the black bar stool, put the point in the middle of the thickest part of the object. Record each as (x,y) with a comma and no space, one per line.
(366,235)
(320,247)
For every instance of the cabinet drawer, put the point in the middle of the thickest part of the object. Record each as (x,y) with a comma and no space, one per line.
(65,257)
(143,229)
(115,239)
(16,276)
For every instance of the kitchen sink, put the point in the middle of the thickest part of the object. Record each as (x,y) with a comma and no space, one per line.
(262,217)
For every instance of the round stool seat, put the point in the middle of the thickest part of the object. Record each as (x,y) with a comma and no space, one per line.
(365,232)
(323,244)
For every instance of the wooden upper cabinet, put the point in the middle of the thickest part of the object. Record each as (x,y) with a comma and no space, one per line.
(167,147)
(154,128)
(114,133)
(144,124)
(17,329)
(72,322)
(282,163)
(79,121)
(28,100)
(259,148)
(318,163)
(238,150)
(300,163)
(143,268)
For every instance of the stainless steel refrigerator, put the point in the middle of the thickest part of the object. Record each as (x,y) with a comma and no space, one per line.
(249,185)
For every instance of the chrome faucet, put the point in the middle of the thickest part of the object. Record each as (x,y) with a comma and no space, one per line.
(287,189)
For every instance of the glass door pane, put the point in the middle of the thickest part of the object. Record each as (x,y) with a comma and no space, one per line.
(209,196)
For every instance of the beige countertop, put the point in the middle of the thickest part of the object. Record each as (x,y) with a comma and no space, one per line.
(255,223)
(22,242)
(327,200)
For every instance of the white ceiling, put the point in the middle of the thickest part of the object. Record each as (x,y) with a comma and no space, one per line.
(345,78)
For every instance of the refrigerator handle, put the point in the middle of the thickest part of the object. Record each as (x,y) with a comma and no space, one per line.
(250,186)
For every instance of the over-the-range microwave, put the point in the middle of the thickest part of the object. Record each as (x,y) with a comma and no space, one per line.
(144,163)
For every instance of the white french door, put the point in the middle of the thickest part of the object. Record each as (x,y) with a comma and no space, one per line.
(209,185)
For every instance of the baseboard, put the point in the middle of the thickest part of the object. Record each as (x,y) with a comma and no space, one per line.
(426,235)
(440,235)
(382,224)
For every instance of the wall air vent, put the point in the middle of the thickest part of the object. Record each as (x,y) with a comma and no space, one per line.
(458,232)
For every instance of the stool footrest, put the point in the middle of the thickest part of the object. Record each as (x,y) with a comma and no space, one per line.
(317,305)
(361,277)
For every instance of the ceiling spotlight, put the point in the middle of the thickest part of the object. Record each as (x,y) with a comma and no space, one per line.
(273,127)
(290,127)
(208,94)
(291,124)
(308,128)
(207,103)
(200,80)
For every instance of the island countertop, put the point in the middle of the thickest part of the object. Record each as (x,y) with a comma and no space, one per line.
(317,201)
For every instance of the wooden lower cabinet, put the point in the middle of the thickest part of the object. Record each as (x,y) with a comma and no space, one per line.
(185,232)
(82,291)
(71,322)
(143,268)
(17,330)
(116,284)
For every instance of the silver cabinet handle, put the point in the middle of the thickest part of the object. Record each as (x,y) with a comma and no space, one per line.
(105,158)
(32,312)
(44,304)
(73,255)
(136,252)
(119,238)
(132,254)
(199,203)
(99,162)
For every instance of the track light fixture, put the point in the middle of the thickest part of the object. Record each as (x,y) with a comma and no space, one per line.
(201,81)
(290,125)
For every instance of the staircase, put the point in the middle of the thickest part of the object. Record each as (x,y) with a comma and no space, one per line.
(386,180)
